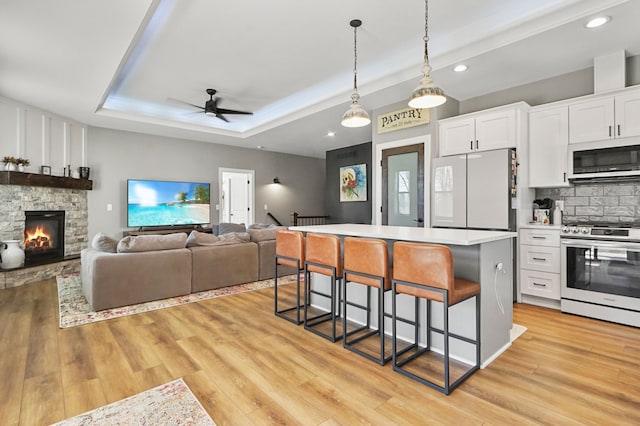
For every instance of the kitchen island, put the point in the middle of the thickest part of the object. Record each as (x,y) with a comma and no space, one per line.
(485,257)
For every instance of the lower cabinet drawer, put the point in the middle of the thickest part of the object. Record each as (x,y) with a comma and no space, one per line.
(541,284)
(540,258)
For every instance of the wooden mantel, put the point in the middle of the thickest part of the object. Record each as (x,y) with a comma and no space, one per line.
(36,179)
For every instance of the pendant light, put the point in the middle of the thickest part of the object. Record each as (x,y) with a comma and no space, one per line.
(426,95)
(355,116)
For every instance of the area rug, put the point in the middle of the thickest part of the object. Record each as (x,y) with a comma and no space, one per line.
(170,404)
(74,308)
(517,331)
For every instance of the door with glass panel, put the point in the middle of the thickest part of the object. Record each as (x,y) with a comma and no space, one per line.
(403,186)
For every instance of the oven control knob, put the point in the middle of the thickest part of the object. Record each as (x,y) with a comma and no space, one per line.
(584,230)
(574,229)
(565,229)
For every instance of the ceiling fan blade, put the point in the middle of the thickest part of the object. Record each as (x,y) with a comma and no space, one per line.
(221,117)
(232,111)
(186,103)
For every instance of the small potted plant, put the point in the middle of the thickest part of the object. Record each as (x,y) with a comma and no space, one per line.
(9,163)
(22,163)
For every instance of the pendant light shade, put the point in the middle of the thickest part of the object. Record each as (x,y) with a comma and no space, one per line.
(355,116)
(426,95)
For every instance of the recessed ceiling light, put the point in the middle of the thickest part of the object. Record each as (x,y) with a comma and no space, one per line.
(331,134)
(598,22)
(259,147)
(460,68)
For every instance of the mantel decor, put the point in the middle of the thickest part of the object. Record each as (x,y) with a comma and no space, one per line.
(36,179)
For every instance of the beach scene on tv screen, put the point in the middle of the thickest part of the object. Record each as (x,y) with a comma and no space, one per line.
(156,203)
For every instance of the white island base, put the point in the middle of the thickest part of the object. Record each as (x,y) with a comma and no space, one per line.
(481,256)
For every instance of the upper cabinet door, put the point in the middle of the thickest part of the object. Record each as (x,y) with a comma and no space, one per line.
(496,130)
(457,136)
(628,115)
(548,140)
(591,121)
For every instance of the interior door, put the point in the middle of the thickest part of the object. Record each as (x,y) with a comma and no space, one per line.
(403,186)
(236,199)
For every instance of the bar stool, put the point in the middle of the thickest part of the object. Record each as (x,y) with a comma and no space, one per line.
(426,271)
(323,257)
(366,262)
(289,252)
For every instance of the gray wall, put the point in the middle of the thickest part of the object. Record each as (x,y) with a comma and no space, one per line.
(353,211)
(565,86)
(115,156)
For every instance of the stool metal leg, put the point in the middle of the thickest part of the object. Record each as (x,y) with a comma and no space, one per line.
(282,312)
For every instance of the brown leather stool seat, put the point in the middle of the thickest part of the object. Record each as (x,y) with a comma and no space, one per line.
(425,271)
(366,262)
(323,257)
(289,252)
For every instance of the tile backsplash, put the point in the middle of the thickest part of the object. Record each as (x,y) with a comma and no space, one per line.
(597,202)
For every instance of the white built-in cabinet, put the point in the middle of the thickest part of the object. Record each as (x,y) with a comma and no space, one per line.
(540,265)
(548,141)
(482,131)
(43,138)
(606,117)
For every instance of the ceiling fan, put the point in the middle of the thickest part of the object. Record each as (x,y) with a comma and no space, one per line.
(211,107)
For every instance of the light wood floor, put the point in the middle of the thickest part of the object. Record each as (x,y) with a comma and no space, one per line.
(248,367)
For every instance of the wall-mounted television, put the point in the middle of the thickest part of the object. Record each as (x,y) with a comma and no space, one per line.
(165,203)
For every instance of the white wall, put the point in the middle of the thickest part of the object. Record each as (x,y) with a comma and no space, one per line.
(115,156)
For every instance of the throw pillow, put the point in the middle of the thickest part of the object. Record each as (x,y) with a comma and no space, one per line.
(102,242)
(201,239)
(139,243)
(225,228)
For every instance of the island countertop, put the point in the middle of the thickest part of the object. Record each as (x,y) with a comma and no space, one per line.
(461,237)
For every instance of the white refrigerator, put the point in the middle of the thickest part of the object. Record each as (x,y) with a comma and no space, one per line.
(474,190)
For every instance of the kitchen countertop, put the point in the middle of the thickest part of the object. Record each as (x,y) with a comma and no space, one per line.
(540,226)
(462,237)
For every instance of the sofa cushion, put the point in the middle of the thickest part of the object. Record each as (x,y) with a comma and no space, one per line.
(201,239)
(264,234)
(139,243)
(225,228)
(105,243)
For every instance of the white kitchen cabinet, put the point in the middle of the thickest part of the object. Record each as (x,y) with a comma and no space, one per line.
(483,131)
(539,257)
(606,117)
(548,141)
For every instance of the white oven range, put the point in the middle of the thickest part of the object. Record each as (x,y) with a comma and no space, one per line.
(600,272)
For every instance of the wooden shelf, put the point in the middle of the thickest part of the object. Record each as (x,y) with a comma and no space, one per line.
(36,179)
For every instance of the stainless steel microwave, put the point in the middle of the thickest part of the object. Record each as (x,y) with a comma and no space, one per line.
(604,159)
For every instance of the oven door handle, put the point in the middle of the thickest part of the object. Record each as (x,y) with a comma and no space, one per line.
(601,244)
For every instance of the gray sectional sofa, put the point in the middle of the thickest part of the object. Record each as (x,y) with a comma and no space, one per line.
(152,267)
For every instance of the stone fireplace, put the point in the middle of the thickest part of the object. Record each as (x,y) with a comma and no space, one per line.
(16,201)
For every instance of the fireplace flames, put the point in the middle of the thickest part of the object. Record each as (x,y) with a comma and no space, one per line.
(37,239)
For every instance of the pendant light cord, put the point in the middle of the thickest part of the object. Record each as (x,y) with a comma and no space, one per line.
(355,57)
(426,30)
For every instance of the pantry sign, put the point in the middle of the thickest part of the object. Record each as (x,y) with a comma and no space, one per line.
(402,119)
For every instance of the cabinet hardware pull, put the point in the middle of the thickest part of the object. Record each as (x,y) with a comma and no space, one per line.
(564,177)
(609,131)
(539,285)
(538,238)
(471,145)
(477,147)
(618,130)
(540,258)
